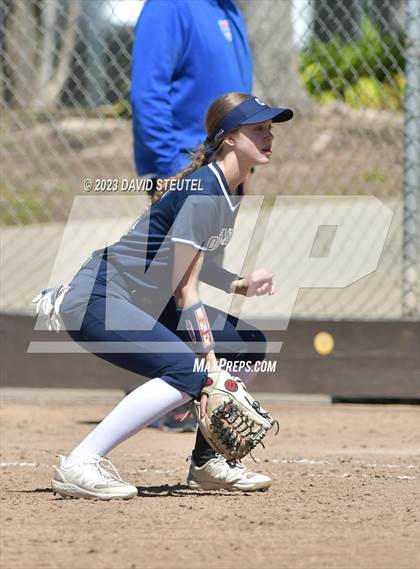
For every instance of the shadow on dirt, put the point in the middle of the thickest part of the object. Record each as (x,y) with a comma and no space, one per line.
(176,490)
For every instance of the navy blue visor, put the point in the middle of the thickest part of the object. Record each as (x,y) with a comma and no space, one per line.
(251,111)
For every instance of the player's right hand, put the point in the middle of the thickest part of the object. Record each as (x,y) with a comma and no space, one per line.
(257,283)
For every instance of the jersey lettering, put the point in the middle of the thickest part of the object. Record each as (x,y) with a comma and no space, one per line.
(222,239)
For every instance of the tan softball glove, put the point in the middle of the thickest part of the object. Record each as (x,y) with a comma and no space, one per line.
(235,423)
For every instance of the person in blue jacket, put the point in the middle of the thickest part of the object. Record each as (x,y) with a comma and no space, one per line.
(185,54)
(136,304)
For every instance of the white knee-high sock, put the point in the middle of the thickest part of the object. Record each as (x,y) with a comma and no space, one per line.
(137,410)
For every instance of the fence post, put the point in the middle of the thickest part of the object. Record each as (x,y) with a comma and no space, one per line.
(410,277)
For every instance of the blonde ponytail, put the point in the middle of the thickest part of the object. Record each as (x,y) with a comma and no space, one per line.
(199,157)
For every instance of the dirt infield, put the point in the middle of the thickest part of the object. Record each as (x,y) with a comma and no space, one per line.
(344,495)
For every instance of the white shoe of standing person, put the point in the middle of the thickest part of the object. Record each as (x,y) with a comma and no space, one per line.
(92,478)
(218,473)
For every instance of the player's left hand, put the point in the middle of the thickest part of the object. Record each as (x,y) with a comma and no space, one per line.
(257,283)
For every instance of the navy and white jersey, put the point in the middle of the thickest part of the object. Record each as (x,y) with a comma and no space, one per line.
(199,211)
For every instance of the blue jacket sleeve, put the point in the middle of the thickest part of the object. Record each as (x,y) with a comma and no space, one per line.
(157,48)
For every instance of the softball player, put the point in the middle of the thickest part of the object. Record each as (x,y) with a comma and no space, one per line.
(115,301)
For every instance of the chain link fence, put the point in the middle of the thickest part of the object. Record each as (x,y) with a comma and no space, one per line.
(342,65)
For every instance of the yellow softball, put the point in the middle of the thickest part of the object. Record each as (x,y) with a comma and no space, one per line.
(323,343)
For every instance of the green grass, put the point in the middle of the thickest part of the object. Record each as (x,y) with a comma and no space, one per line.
(378,176)
(24,206)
